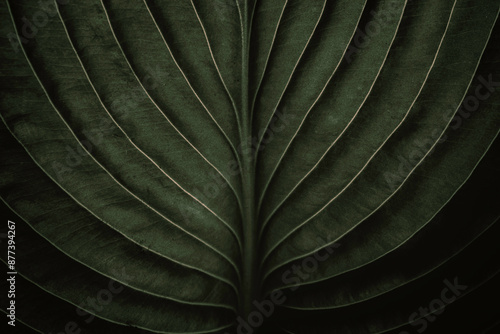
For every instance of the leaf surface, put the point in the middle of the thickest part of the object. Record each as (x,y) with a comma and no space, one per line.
(205,155)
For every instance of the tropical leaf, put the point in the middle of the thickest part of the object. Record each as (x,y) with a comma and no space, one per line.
(270,166)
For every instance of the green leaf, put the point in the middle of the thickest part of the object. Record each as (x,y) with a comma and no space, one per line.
(270,166)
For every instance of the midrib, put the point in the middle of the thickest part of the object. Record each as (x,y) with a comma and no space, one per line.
(248,290)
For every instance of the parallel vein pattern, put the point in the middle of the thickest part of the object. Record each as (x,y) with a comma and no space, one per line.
(173,165)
